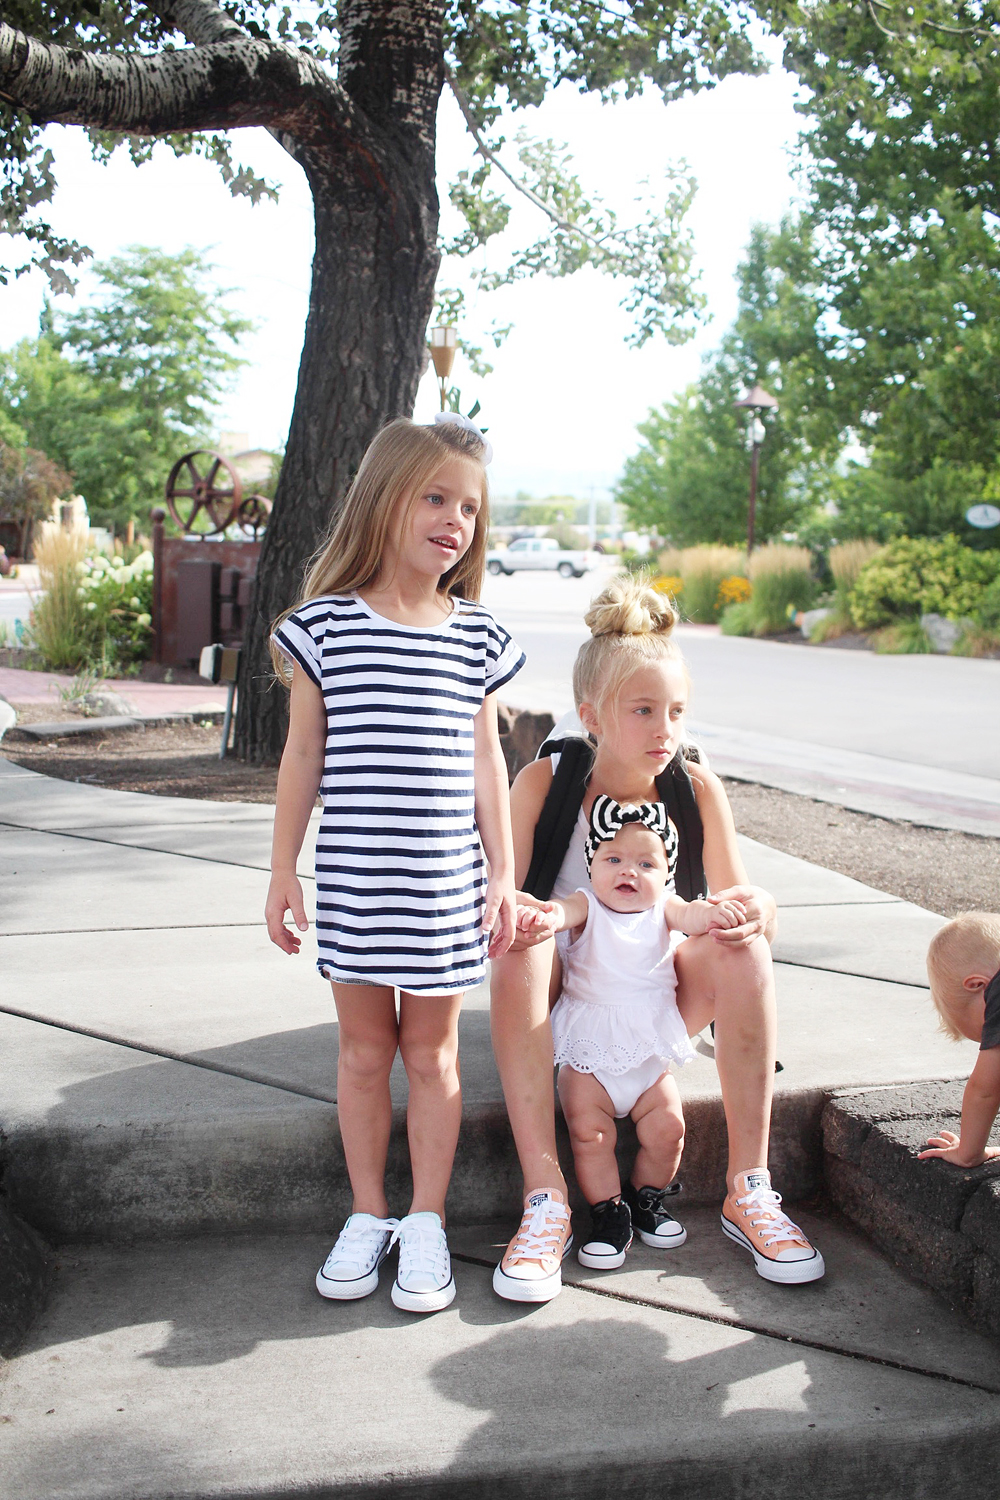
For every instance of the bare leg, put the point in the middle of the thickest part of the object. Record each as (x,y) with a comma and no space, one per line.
(659,1124)
(428,1045)
(735,987)
(522,1045)
(368,1040)
(590,1116)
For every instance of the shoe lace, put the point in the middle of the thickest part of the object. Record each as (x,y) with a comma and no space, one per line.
(774,1224)
(355,1236)
(541,1233)
(422,1246)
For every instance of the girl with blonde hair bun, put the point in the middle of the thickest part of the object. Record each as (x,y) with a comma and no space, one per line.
(631,688)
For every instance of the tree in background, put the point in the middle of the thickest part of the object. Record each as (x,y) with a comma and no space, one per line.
(29,483)
(689,480)
(903,117)
(351,93)
(117,390)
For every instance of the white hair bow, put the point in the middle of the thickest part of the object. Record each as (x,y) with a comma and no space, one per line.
(455,419)
(608,817)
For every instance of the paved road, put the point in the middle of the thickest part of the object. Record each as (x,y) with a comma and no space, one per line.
(931,711)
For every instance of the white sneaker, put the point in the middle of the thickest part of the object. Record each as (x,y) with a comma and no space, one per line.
(351,1268)
(424,1282)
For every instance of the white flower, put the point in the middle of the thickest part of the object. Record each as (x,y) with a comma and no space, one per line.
(83,567)
(91,605)
(134,603)
(143,563)
(144,620)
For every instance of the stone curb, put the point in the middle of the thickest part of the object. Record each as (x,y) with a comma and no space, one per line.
(939,1222)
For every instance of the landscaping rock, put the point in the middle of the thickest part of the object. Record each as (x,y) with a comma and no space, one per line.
(981,1220)
(810,617)
(849,1117)
(104,703)
(942,633)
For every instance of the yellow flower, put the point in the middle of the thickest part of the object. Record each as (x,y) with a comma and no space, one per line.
(733,590)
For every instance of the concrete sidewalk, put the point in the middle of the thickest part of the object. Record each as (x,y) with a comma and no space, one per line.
(169,1079)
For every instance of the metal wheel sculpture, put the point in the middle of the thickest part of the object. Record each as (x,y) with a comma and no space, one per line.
(203,481)
(253,514)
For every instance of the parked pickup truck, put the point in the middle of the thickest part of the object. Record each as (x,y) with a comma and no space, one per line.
(544,554)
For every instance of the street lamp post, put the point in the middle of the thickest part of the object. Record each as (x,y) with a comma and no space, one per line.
(443,343)
(754,402)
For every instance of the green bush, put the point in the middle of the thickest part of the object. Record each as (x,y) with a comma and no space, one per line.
(987,611)
(117,600)
(737,619)
(95,612)
(914,576)
(904,638)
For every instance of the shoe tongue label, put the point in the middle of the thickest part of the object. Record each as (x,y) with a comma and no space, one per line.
(756,1180)
(537,1198)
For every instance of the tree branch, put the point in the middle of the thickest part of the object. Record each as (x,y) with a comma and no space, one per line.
(200,22)
(215,87)
(488,154)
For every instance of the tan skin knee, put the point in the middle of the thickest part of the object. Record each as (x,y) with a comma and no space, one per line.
(366,1064)
(430,1064)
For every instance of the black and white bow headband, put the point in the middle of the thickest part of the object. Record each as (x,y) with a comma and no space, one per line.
(608,817)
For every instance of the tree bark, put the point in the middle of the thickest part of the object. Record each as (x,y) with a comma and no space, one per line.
(374,271)
(366,142)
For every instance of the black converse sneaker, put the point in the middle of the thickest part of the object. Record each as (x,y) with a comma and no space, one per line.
(609,1238)
(656,1226)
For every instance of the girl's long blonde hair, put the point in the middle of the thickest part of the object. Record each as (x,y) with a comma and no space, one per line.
(631,624)
(400,461)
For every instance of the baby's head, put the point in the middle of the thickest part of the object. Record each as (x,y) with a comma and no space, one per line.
(629,853)
(961,960)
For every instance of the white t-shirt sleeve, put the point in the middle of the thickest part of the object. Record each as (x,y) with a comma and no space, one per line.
(295,640)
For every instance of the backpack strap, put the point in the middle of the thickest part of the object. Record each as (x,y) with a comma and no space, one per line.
(677,793)
(558,816)
(554,828)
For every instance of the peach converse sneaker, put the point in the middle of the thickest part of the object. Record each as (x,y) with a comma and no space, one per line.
(531,1270)
(752,1217)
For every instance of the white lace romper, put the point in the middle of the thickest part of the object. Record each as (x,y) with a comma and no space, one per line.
(617,1008)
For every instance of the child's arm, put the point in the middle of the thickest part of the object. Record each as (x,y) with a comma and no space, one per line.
(698,917)
(493,822)
(299,777)
(555,916)
(980,1104)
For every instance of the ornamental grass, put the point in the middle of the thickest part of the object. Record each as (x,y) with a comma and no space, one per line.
(782,581)
(58,624)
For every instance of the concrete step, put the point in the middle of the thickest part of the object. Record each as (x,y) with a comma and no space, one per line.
(212,1369)
(940,1222)
(103,1141)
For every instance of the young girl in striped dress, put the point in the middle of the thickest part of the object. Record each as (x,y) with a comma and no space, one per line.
(394,670)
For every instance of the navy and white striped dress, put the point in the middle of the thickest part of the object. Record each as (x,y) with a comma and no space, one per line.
(400,873)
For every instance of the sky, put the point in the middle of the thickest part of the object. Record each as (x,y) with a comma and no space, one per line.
(567,390)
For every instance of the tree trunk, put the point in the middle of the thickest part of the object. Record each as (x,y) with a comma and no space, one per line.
(372,292)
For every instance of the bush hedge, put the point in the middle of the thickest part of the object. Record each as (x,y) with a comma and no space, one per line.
(915,576)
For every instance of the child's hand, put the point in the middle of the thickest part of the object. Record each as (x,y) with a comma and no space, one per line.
(285,894)
(538,921)
(726,913)
(702,916)
(499,916)
(948,1146)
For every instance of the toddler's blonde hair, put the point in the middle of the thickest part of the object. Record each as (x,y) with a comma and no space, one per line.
(970,944)
(631,624)
(399,462)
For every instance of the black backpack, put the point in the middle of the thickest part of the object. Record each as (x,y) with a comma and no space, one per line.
(565,798)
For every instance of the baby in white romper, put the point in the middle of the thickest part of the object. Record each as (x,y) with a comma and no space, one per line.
(616,1026)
